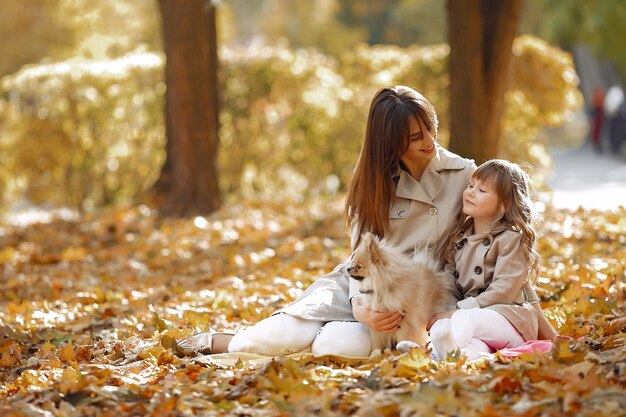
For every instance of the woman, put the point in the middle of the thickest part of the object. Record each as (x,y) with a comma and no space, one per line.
(407,189)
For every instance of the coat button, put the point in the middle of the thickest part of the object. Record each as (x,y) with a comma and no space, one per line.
(478,270)
(486,242)
(401,212)
(456,274)
(432,211)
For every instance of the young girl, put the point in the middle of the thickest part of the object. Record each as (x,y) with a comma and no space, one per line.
(492,259)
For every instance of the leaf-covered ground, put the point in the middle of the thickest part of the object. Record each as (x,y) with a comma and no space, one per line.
(84,305)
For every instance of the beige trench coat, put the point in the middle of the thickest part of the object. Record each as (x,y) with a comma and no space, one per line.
(422,215)
(492,272)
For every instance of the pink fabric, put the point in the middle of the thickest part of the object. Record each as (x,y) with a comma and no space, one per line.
(530,346)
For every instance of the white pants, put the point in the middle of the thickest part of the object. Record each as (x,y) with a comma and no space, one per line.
(474,331)
(282,334)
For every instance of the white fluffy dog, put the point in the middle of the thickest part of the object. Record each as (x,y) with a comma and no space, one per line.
(394,282)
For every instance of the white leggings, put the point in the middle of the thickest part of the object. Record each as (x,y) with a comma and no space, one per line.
(474,331)
(282,334)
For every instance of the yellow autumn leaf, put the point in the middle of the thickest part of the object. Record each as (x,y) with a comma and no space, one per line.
(46,348)
(580,368)
(154,351)
(7,254)
(66,353)
(73,254)
(71,381)
(105,307)
(8,359)
(160,325)
(416,362)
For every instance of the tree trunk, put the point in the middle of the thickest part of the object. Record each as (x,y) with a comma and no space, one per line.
(188,178)
(480,34)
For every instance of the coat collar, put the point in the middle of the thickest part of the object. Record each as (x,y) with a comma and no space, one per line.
(431,183)
(497,229)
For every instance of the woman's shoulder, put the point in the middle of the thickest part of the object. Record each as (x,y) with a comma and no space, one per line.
(449,160)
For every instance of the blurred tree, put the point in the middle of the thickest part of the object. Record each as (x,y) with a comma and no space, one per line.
(599,23)
(109,29)
(32,30)
(395,22)
(300,24)
(417,21)
(333,26)
(480,35)
(374,15)
(188,178)
(22,23)
(243,21)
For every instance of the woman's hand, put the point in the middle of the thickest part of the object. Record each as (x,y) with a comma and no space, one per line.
(382,322)
(439,316)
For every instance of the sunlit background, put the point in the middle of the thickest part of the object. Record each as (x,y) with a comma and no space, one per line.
(89,308)
(82,91)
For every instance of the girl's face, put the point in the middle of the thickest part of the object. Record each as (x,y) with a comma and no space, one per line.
(421,144)
(481,202)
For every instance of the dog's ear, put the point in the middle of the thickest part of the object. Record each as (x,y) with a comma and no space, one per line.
(367,240)
(374,249)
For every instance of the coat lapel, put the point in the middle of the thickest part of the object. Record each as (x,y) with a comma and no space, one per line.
(431,184)
(409,187)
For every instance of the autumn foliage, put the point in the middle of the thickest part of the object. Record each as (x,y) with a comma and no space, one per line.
(87,303)
(88,133)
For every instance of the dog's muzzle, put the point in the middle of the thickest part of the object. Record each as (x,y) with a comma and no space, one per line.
(349,270)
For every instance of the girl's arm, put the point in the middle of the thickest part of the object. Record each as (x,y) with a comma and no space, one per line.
(510,273)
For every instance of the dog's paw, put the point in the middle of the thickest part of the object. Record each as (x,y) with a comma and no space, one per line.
(405,346)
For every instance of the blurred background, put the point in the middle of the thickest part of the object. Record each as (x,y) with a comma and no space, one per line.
(82,91)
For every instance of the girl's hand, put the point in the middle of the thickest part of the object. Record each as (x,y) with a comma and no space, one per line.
(381,321)
(439,316)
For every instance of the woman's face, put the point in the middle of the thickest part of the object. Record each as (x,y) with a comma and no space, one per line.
(421,144)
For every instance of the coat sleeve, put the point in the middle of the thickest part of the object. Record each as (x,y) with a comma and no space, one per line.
(354,285)
(510,273)
(353,289)
(449,270)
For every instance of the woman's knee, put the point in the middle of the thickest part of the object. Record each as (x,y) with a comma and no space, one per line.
(344,338)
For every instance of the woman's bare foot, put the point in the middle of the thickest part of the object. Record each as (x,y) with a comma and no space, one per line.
(221,341)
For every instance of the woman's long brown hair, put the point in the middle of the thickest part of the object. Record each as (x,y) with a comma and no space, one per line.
(371,192)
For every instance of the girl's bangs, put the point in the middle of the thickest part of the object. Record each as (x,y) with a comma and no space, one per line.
(488,174)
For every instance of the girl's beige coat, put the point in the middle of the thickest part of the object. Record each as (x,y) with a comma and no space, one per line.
(491,271)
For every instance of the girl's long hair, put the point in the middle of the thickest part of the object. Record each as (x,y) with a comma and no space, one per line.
(513,188)
(371,192)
